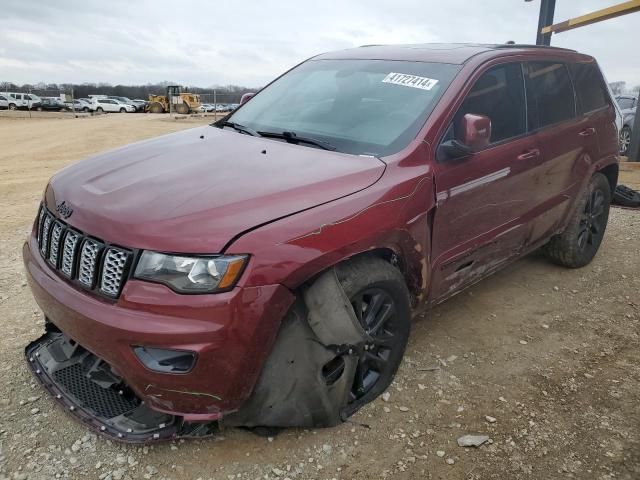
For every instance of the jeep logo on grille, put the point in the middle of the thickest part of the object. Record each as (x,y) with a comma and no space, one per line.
(64,210)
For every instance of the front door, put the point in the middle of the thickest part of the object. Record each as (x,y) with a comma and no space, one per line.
(484,199)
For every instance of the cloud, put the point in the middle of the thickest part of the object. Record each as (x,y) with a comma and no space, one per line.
(249,43)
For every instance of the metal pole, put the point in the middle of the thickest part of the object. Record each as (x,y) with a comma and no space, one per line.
(634,148)
(547,11)
(215,105)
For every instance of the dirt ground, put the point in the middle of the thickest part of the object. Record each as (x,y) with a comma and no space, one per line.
(551,355)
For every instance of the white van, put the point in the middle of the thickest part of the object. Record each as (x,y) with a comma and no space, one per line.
(110,105)
(22,100)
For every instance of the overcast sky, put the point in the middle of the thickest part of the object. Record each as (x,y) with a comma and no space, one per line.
(207,43)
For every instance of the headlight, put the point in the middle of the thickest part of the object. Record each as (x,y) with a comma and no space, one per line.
(186,274)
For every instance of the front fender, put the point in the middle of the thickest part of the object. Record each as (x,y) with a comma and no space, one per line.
(392,214)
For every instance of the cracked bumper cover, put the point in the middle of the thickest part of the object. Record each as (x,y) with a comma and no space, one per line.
(231,334)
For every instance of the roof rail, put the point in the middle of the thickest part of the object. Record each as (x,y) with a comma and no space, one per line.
(525,45)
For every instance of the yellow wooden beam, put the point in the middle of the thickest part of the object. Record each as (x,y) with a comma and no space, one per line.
(599,16)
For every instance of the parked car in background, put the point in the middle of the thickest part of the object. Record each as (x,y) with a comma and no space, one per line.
(78,105)
(140,104)
(126,101)
(51,105)
(4,102)
(627,102)
(22,100)
(627,130)
(102,105)
(262,270)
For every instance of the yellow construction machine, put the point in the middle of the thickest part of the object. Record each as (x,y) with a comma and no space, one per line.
(175,101)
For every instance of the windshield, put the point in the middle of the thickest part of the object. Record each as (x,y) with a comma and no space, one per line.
(363,107)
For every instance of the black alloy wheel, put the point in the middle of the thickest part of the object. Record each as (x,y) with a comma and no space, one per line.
(592,222)
(376,312)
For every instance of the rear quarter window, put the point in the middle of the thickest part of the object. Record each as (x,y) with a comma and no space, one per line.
(589,86)
(550,95)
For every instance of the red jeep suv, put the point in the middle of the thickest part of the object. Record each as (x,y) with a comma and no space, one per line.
(262,271)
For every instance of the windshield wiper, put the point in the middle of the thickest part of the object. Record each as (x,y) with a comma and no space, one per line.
(291,137)
(239,128)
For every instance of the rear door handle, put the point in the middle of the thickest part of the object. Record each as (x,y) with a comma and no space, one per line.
(529,154)
(587,132)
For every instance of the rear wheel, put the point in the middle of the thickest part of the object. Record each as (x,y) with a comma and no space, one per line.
(123,110)
(13,106)
(579,243)
(100,110)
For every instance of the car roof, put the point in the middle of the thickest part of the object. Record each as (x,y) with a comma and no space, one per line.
(453,53)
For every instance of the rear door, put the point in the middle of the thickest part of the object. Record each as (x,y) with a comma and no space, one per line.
(484,199)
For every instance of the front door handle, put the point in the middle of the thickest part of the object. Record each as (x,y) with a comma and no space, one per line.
(587,132)
(529,154)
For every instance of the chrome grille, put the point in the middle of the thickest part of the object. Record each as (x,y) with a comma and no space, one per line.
(112,270)
(40,217)
(44,237)
(84,260)
(88,262)
(69,252)
(54,243)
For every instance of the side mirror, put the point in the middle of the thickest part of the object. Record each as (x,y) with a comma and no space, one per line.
(476,131)
(246,97)
(476,135)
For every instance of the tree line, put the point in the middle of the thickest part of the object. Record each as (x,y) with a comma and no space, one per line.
(226,94)
(619,88)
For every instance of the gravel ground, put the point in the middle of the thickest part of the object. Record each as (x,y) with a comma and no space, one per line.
(543,361)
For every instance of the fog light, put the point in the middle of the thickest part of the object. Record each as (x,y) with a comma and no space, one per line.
(166,361)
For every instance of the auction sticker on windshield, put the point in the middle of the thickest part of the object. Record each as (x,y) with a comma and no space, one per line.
(413,81)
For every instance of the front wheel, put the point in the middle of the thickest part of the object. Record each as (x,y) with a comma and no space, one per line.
(580,241)
(13,106)
(338,348)
(380,300)
(123,110)
(625,140)
(100,110)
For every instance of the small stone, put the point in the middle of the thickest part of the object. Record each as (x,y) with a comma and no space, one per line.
(326,448)
(277,472)
(118,474)
(32,399)
(35,411)
(421,386)
(450,461)
(523,342)
(472,440)
(403,409)
(151,470)
(386,396)
(502,399)
(440,453)
(121,459)
(490,419)
(386,409)
(545,326)
(556,289)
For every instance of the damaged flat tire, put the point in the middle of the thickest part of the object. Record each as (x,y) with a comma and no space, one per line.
(337,349)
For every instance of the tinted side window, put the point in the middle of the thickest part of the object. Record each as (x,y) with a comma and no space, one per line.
(499,95)
(550,94)
(589,86)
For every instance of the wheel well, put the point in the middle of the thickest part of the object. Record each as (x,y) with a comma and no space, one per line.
(398,261)
(611,172)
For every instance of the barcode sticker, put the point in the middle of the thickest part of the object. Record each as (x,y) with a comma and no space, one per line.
(412,81)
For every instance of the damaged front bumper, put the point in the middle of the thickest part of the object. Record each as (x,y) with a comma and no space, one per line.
(88,388)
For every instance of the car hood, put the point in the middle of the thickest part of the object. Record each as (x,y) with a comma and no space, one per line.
(196,190)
